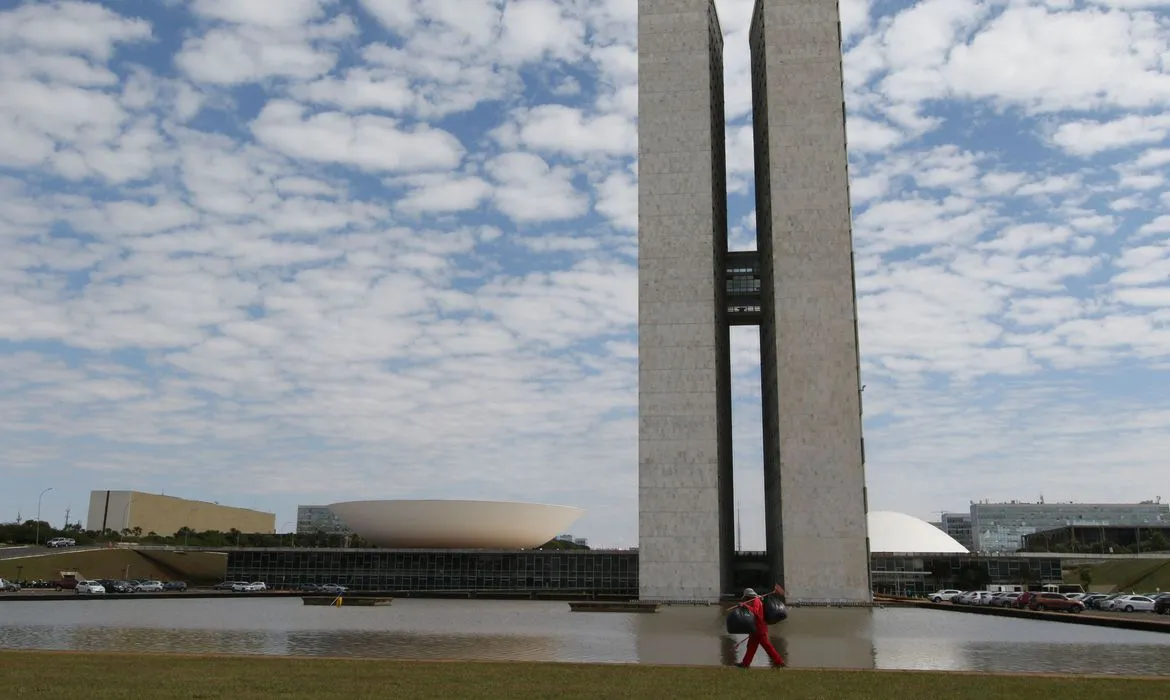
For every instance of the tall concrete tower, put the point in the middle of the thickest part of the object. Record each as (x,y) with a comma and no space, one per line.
(798,287)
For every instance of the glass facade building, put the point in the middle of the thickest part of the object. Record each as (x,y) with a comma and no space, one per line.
(312,519)
(576,572)
(958,526)
(1001,527)
(591,573)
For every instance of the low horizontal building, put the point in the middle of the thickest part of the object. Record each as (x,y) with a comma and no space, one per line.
(1101,539)
(122,511)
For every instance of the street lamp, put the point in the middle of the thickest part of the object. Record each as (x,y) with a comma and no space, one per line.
(187,529)
(39,513)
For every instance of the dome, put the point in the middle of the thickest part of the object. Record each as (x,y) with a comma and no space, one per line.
(455,524)
(905,534)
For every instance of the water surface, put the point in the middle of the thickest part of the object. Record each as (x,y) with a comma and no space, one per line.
(892,638)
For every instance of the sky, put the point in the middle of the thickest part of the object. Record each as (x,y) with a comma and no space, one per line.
(307,251)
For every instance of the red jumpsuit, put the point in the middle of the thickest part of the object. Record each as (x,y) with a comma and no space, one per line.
(759,638)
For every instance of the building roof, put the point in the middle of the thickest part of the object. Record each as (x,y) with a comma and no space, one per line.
(905,534)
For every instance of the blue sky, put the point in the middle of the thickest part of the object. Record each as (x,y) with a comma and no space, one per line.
(319,250)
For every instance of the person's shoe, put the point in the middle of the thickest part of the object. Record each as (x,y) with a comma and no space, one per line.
(741,664)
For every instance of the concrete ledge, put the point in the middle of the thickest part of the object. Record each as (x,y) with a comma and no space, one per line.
(1143,624)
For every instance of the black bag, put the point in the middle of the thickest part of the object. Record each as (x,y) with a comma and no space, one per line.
(741,621)
(774,610)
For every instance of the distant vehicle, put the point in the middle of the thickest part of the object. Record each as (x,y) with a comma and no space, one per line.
(228,585)
(1054,601)
(175,586)
(149,587)
(9,586)
(945,595)
(333,588)
(1130,603)
(61,542)
(120,587)
(1062,588)
(66,583)
(1162,604)
(1091,600)
(308,588)
(249,587)
(89,588)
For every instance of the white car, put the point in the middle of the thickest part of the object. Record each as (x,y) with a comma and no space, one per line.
(1108,603)
(1130,603)
(249,587)
(945,595)
(9,586)
(61,542)
(89,588)
(149,587)
(974,598)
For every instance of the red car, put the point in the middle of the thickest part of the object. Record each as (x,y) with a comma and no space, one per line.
(1054,601)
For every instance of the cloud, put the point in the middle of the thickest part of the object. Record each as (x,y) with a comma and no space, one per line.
(368,142)
(248,244)
(528,190)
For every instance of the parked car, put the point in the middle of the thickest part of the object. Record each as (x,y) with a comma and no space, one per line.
(1108,603)
(175,586)
(228,585)
(946,595)
(1092,599)
(1003,600)
(1054,601)
(120,586)
(64,584)
(1162,604)
(89,588)
(149,587)
(333,589)
(308,588)
(9,586)
(1130,603)
(61,542)
(249,587)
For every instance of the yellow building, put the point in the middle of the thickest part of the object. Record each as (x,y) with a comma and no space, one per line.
(166,515)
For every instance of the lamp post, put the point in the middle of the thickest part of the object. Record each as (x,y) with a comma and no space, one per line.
(39,513)
(187,529)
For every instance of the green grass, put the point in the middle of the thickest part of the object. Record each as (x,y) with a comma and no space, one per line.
(1132,574)
(113,563)
(166,677)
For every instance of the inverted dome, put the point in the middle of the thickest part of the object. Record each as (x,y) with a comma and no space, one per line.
(905,534)
(438,524)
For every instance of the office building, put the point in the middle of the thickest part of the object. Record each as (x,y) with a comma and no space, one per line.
(319,519)
(797,287)
(123,511)
(958,526)
(1001,527)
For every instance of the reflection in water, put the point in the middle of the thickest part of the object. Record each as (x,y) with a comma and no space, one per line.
(548,631)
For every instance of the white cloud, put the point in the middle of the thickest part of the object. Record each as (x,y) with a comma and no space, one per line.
(368,142)
(528,190)
(287,237)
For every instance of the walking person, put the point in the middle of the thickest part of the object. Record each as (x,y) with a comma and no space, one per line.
(755,603)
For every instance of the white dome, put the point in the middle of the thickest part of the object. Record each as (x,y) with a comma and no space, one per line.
(455,524)
(905,534)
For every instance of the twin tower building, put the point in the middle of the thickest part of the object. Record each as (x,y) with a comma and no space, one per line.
(797,287)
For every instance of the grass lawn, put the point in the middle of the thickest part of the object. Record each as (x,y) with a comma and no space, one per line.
(163,677)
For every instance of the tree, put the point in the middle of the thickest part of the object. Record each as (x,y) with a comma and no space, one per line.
(1086,576)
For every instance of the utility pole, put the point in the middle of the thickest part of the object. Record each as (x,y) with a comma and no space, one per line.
(67,517)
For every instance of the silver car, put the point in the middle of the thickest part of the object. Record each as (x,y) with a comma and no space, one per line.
(89,588)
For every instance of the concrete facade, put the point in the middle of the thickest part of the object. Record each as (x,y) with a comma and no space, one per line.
(166,515)
(686,534)
(814,464)
(804,303)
